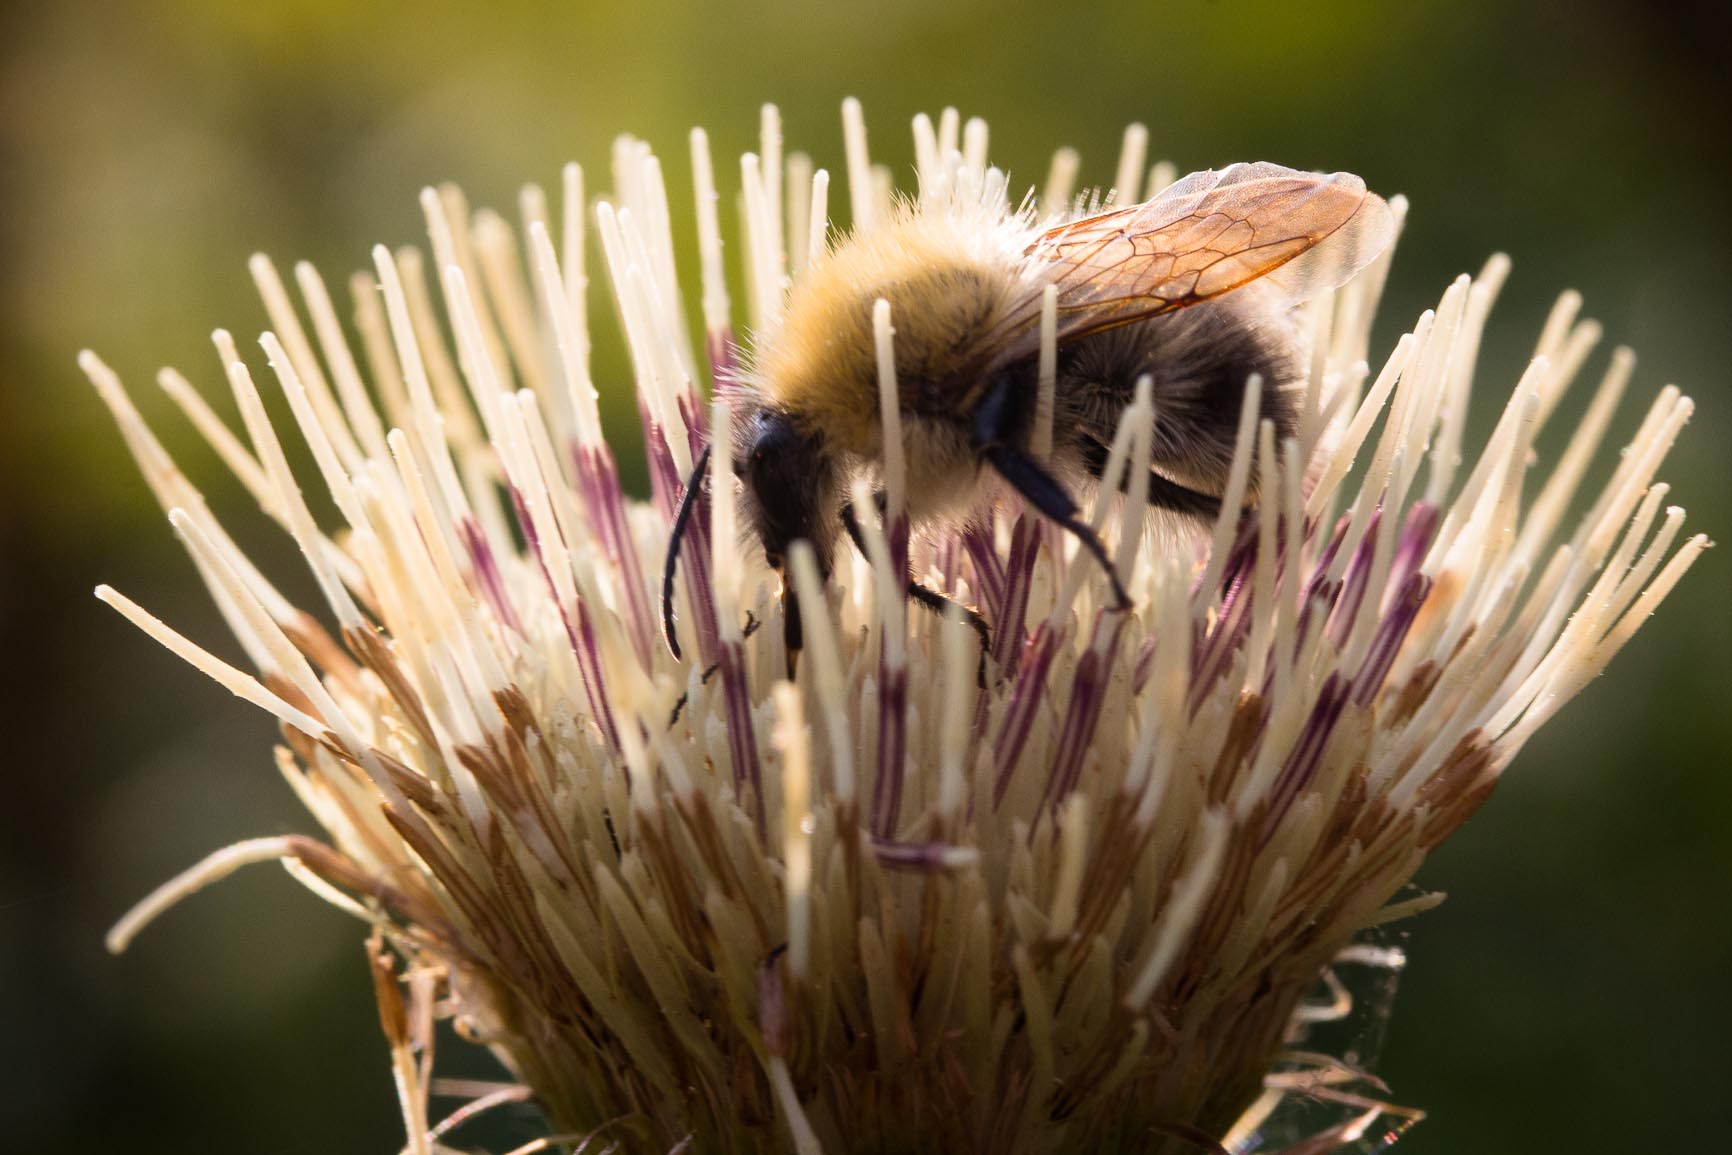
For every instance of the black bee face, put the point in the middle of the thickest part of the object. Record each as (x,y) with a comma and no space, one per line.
(789,479)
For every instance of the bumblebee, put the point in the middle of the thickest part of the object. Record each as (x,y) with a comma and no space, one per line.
(1195,289)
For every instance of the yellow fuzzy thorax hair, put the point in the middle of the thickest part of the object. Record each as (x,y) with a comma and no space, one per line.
(948,273)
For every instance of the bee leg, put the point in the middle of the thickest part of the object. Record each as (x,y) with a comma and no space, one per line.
(682,521)
(928,597)
(1164,493)
(793,635)
(992,428)
(939,604)
(1043,491)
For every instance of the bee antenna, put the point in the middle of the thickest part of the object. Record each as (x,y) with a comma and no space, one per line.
(676,539)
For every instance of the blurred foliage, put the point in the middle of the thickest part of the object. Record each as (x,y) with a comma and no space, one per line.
(1570,995)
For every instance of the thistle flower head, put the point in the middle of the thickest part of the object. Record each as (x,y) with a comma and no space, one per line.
(1067,895)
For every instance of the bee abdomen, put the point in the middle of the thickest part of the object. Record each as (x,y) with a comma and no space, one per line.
(1199,360)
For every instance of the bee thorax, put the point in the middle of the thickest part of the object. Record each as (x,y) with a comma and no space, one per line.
(943,471)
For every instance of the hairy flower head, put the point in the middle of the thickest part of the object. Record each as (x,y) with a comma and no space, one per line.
(1069,895)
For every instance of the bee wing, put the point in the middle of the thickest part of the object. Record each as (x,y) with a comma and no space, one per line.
(1297,233)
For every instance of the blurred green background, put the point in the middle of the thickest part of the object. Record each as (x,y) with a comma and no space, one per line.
(1572,993)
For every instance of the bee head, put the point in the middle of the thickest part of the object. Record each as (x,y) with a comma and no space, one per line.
(790,484)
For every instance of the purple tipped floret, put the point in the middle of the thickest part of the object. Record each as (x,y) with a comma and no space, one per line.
(1088,694)
(892,750)
(603,502)
(1410,548)
(580,633)
(1391,632)
(487,576)
(1025,700)
(1012,613)
(920,857)
(1354,581)
(892,699)
(742,739)
(1302,761)
(989,577)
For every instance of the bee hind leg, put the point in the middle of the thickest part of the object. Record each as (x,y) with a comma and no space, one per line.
(1043,491)
(1164,493)
(793,632)
(992,426)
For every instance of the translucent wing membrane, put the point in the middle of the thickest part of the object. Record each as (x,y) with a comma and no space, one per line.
(1296,233)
